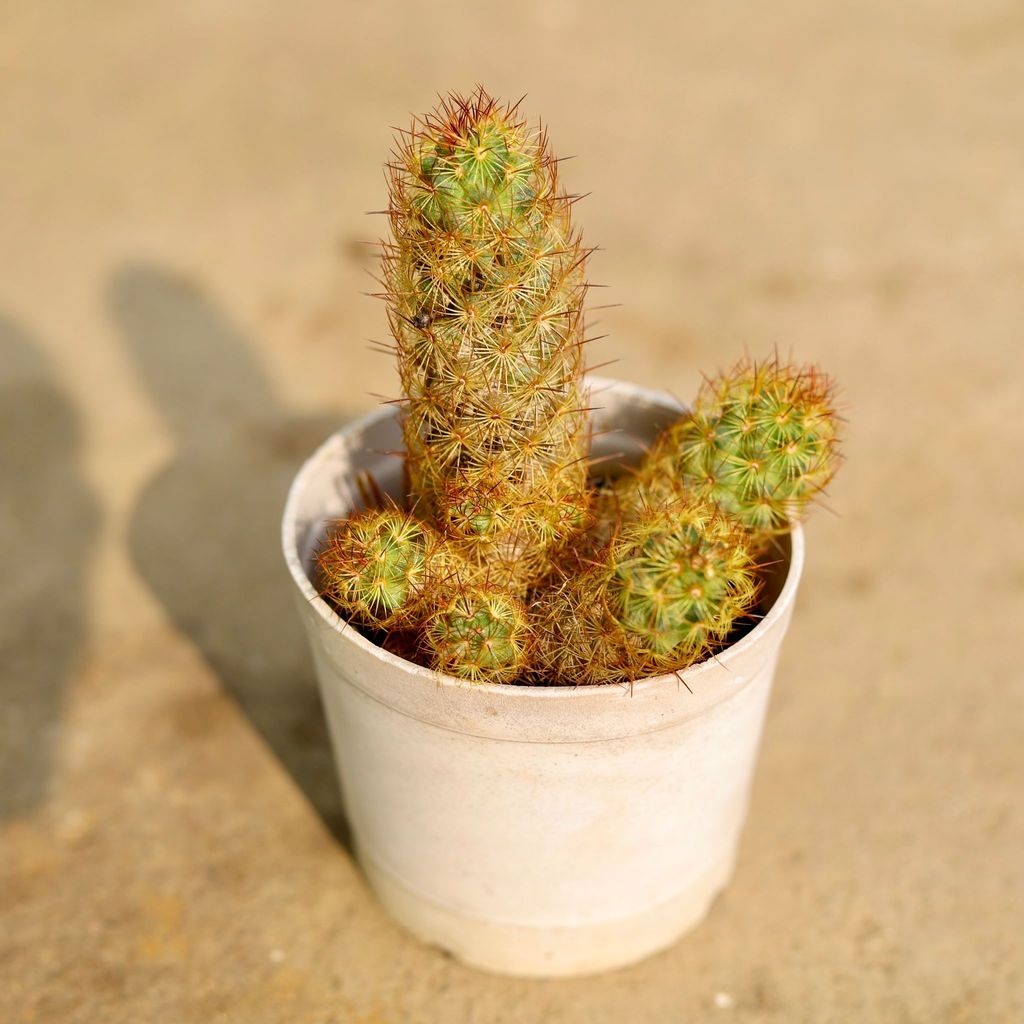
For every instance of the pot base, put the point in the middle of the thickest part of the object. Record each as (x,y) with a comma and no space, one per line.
(531,952)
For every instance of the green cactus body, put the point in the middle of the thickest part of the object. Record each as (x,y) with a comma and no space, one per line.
(484,284)
(374,566)
(480,634)
(761,443)
(665,591)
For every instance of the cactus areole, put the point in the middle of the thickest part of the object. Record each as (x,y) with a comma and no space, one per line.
(503,562)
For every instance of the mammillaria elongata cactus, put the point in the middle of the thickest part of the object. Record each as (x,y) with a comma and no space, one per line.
(659,596)
(484,285)
(374,565)
(495,574)
(760,443)
(480,634)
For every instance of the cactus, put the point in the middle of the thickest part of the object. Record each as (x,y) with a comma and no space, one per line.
(510,567)
(760,443)
(480,634)
(484,285)
(374,566)
(661,595)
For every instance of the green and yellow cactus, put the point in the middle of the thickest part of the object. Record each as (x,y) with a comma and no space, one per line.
(480,634)
(760,443)
(661,594)
(509,568)
(484,284)
(374,567)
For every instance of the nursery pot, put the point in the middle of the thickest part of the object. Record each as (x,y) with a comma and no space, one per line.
(536,831)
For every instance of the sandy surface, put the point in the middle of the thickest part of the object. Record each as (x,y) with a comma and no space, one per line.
(182,191)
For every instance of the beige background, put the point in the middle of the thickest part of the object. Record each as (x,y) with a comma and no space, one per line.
(182,191)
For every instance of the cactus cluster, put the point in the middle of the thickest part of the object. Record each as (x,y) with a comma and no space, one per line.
(507,567)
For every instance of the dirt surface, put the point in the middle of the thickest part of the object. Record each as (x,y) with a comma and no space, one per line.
(182,197)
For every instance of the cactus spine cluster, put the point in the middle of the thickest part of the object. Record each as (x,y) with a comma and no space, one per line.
(507,568)
(484,285)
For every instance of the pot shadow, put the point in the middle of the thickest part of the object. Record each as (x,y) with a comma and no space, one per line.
(205,533)
(50,518)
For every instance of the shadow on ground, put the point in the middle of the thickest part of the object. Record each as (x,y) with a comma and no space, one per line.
(50,519)
(205,532)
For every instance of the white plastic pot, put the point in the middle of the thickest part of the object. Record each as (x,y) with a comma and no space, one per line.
(534,830)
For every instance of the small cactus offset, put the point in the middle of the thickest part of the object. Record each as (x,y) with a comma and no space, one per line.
(374,566)
(480,634)
(484,285)
(760,443)
(682,574)
(662,594)
(511,567)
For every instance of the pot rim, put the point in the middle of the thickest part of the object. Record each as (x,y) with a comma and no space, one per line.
(718,660)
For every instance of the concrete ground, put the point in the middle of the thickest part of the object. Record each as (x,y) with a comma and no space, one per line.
(182,193)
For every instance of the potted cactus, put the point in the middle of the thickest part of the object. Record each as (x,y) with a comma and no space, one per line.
(545,683)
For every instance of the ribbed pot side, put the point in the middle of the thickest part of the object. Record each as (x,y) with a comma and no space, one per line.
(538,831)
